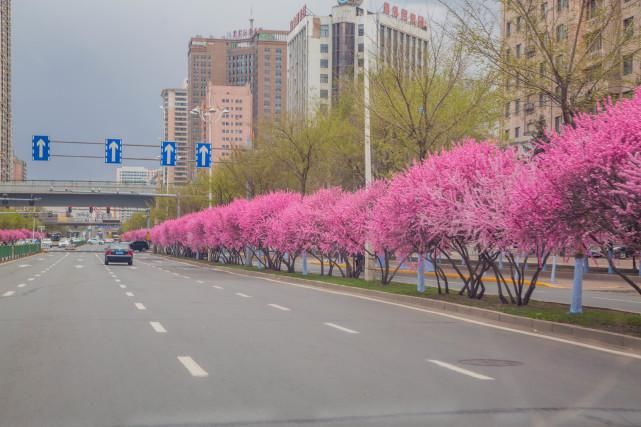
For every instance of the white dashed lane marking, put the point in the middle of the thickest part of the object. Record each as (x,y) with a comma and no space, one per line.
(129,294)
(242,295)
(194,368)
(9,294)
(460,370)
(158,327)
(22,285)
(140,306)
(218,287)
(340,328)
(279,307)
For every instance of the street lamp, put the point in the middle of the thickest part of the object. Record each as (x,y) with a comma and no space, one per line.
(368,147)
(203,114)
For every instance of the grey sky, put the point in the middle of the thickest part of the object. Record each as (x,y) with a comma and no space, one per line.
(88,69)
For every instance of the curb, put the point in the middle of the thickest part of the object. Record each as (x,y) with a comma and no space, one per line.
(560,330)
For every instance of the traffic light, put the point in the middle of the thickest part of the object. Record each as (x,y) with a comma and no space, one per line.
(108,210)
(69,210)
(90,209)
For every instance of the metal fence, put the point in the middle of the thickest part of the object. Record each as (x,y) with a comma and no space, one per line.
(8,253)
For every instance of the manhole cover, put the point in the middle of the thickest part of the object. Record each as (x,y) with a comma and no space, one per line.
(494,363)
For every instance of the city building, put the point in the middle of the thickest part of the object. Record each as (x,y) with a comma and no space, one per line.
(19,169)
(256,57)
(175,127)
(230,125)
(527,109)
(137,175)
(6,134)
(326,51)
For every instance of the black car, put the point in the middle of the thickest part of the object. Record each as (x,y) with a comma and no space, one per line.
(139,245)
(119,252)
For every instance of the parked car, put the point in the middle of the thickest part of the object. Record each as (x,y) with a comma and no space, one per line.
(595,253)
(45,244)
(622,252)
(139,245)
(119,253)
(64,243)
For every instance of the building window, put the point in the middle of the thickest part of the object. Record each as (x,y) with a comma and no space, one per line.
(542,99)
(562,5)
(324,48)
(518,50)
(361,47)
(361,30)
(518,24)
(508,29)
(558,122)
(594,42)
(507,134)
(544,10)
(561,32)
(628,64)
(628,27)
(324,94)
(324,63)
(517,106)
(517,132)
(324,30)
(507,109)
(324,78)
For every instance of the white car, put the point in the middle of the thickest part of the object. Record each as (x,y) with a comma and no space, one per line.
(64,243)
(45,244)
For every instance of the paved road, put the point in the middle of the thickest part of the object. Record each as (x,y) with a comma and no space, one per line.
(163,343)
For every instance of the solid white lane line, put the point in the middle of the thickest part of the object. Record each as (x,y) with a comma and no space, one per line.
(218,287)
(194,368)
(22,285)
(8,294)
(123,286)
(340,328)
(461,370)
(129,294)
(158,327)
(242,295)
(279,307)
(140,306)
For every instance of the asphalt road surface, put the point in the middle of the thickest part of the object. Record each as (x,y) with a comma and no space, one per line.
(165,343)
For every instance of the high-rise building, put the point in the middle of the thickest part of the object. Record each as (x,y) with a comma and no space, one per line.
(256,57)
(324,52)
(606,21)
(230,126)
(19,169)
(175,120)
(6,149)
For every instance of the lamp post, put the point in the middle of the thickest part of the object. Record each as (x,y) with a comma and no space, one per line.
(369,276)
(204,113)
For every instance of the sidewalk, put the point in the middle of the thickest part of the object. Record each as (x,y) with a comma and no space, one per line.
(591,281)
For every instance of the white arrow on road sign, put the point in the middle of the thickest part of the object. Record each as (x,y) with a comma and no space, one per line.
(41,147)
(203,153)
(114,150)
(169,150)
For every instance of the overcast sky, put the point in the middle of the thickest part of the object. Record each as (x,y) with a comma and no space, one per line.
(89,69)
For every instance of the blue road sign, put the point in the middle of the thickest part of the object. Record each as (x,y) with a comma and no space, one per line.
(168,153)
(203,155)
(40,148)
(113,151)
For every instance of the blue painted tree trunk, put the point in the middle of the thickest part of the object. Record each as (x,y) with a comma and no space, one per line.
(577,285)
(305,268)
(420,274)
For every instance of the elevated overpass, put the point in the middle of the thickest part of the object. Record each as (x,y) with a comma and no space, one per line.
(78,193)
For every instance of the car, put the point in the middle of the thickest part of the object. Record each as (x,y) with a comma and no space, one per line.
(139,246)
(64,243)
(623,252)
(92,242)
(109,241)
(119,253)
(45,244)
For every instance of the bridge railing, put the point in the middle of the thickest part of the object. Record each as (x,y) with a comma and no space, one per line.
(75,187)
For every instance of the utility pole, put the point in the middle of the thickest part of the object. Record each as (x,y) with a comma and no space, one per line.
(368,267)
